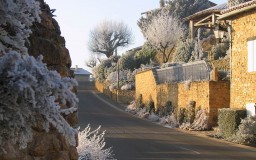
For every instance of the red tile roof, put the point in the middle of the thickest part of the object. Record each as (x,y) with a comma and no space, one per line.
(240,6)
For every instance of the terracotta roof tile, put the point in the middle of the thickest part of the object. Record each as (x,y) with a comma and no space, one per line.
(240,6)
(214,9)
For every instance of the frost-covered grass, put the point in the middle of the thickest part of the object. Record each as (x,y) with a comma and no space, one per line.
(91,145)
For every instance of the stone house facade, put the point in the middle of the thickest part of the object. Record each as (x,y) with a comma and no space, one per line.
(242,18)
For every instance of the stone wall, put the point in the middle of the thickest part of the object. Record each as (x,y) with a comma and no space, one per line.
(46,40)
(209,95)
(124,97)
(243,84)
(145,83)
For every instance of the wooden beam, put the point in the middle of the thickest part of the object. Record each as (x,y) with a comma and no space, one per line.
(202,24)
(203,20)
(213,19)
(191,28)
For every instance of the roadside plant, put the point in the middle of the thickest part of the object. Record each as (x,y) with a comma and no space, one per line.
(190,112)
(201,121)
(92,145)
(246,133)
(184,50)
(28,90)
(151,107)
(145,56)
(181,115)
(139,103)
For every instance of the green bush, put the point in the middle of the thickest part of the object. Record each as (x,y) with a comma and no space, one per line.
(190,112)
(181,115)
(139,103)
(127,61)
(151,107)
(144,56)
(229,120)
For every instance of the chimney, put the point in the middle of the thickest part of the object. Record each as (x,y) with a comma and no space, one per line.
(232,3)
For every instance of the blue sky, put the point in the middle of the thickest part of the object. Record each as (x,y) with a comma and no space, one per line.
(76,19)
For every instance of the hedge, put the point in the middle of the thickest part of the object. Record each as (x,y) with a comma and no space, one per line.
(229,120)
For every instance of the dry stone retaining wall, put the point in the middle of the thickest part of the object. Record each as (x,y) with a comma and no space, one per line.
(209,95)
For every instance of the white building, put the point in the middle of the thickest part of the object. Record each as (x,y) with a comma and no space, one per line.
(81,75)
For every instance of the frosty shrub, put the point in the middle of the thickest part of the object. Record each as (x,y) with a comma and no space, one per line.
(145,55)
(139,103)
(125,78)
(163,33)
(127,87)
(28,90)
(169,120)
(16,19)
(165,110)
(142,113)
(181,115)
(153,117)
(184,50)
(151,106)
(131,107)
(127,62)
(246,133)
(91,145)
(100,70)
(233,117)
(190,112)
(201,121)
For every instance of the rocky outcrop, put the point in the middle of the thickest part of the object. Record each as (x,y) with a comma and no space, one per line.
(46,40)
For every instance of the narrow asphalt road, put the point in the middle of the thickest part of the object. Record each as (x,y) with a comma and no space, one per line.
(133,138)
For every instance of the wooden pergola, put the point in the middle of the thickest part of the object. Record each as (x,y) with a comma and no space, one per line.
(206,19)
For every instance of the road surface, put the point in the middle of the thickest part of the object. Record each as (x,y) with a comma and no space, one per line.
(136,139)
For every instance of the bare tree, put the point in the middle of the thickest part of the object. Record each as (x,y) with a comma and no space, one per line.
(108,36)
(92,61)
(163,33)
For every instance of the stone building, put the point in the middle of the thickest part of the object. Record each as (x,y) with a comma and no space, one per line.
(243,59)
(81,75)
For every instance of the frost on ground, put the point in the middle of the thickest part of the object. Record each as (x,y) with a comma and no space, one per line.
(91,145)
(199,124)
(169,121)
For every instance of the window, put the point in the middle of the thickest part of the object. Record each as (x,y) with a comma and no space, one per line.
(251,55)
